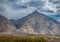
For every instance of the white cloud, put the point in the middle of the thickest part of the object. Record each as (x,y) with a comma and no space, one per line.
(22,2)
(50,6)
(57,5)
(11,13)
(41,5)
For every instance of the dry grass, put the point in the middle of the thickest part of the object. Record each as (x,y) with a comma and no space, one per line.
(12,38)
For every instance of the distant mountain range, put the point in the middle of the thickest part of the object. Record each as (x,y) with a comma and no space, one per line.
(34,23)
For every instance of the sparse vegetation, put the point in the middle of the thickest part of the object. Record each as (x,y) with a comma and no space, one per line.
(28,38)
(12,38)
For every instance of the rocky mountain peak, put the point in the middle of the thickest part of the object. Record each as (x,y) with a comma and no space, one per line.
(6,25)
(38,23)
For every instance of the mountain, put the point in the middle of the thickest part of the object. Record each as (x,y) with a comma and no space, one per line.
(6,25)
(38,23)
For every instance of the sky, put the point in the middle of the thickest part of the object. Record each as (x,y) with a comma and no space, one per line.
(15,9)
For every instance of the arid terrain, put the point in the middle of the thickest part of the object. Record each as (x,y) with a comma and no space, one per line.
(28,38)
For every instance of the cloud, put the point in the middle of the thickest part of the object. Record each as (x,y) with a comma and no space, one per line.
(15,14)
(16,8)
(12,0)
(12,13)
(35,3)
(57,5)
(1,1)
(42,5)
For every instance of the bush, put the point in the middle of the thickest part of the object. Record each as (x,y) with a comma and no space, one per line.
(21,39)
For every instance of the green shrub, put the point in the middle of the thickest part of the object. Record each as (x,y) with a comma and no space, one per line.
(21,39)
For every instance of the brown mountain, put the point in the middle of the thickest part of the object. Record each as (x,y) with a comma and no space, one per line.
(6,25)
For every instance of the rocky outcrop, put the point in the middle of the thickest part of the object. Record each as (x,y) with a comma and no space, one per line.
(38,23)
(6,25)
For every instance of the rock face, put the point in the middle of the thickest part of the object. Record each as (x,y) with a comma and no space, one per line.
(6,25)
(34,23)
(38,23)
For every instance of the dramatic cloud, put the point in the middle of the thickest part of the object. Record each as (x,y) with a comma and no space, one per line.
(10,12)
(57,13)
(14,9)
(57,5)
